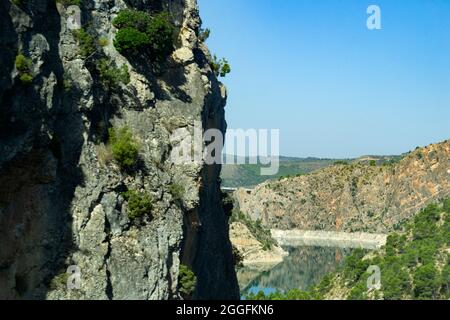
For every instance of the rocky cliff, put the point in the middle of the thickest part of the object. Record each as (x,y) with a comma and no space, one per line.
(61,199)
(365,197)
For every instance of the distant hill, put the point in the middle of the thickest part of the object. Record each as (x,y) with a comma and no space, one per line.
(248,175)
(368,194)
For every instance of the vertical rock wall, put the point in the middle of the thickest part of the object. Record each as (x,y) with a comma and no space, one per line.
(61,201)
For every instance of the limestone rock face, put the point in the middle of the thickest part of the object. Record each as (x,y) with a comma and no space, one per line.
(61,200)
(252,250)
(353,198)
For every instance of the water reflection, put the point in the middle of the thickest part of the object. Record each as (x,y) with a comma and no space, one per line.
(304,267)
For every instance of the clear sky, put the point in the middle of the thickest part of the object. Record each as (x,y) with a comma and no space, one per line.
(312,69)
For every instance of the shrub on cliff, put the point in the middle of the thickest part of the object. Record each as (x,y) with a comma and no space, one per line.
(26,78)
(220,67)
(186,281)
(22,63)
(204,34)
(139,30)
(23,66)
(130,18)
(125,148)
(161,32)
(177,191)
(139,203)
(130,40)
(86,43)
(111,76)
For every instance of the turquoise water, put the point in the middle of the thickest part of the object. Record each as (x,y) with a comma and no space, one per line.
(303,268)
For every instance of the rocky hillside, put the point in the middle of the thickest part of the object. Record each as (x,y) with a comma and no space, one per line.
(85,173)
(358,196)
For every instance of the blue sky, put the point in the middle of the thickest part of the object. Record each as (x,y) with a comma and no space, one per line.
(312,69)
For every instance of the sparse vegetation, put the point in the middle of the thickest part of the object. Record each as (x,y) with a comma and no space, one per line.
(103,41)
(124,147)
(204,34)
(139,203)
(220,67)
(187,281)
(140,31)
(86,43)
(256,229)
(177,191)
(110,76)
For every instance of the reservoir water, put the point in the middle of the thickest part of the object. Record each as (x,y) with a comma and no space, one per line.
(304,267)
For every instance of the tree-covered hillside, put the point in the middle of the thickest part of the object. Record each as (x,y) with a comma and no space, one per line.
(414,264)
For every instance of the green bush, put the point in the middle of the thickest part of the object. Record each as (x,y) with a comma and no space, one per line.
(139,203)
(426,283)
(354,266)
(23,65)
(130,18)
(26,78)
(161,33)
(130,40)
(373,163)
(204,34)
(186,281)
(177,191)
(103,41)
(139,30)
(124,147)
(111,76)
(445,281)
(220,67)
(447,205)
(425,222)
(358,292)
(395,282)
(86,42)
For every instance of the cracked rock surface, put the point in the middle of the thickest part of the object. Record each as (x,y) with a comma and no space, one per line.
(61,203)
